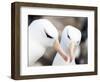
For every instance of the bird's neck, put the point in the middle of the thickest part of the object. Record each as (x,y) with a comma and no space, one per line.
(65,47)
(36,44)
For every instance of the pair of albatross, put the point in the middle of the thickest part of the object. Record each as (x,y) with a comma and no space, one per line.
(43,34)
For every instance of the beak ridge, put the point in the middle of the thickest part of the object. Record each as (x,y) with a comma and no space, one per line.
(72,50)
(58,48)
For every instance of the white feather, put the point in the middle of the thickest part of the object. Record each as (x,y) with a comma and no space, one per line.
(38,41)
(75,36)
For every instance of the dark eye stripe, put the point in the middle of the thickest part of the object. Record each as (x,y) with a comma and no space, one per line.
(68,36)
(48,35)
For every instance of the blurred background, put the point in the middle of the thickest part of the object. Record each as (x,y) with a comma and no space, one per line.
(60,22)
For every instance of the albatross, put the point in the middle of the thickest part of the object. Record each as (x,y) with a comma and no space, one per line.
(43,34)
(70,40)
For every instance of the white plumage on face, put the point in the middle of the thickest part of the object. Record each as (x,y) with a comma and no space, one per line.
(71,34)
(73,37)
(42,34)
(43,31)
(70,40)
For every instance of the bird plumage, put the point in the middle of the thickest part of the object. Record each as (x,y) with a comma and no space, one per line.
(70,35)
(42,34)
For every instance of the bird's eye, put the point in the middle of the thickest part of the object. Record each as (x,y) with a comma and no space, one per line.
(68,36)
(48,35)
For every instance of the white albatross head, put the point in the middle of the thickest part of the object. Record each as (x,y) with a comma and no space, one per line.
(70,39)
(45,34)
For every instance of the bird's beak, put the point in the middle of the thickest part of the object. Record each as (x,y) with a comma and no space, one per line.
(72,48)
(58,48)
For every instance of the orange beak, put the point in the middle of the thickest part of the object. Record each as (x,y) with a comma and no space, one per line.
(58,48)
(72,50)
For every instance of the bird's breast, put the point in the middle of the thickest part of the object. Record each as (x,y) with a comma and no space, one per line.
(35,51)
